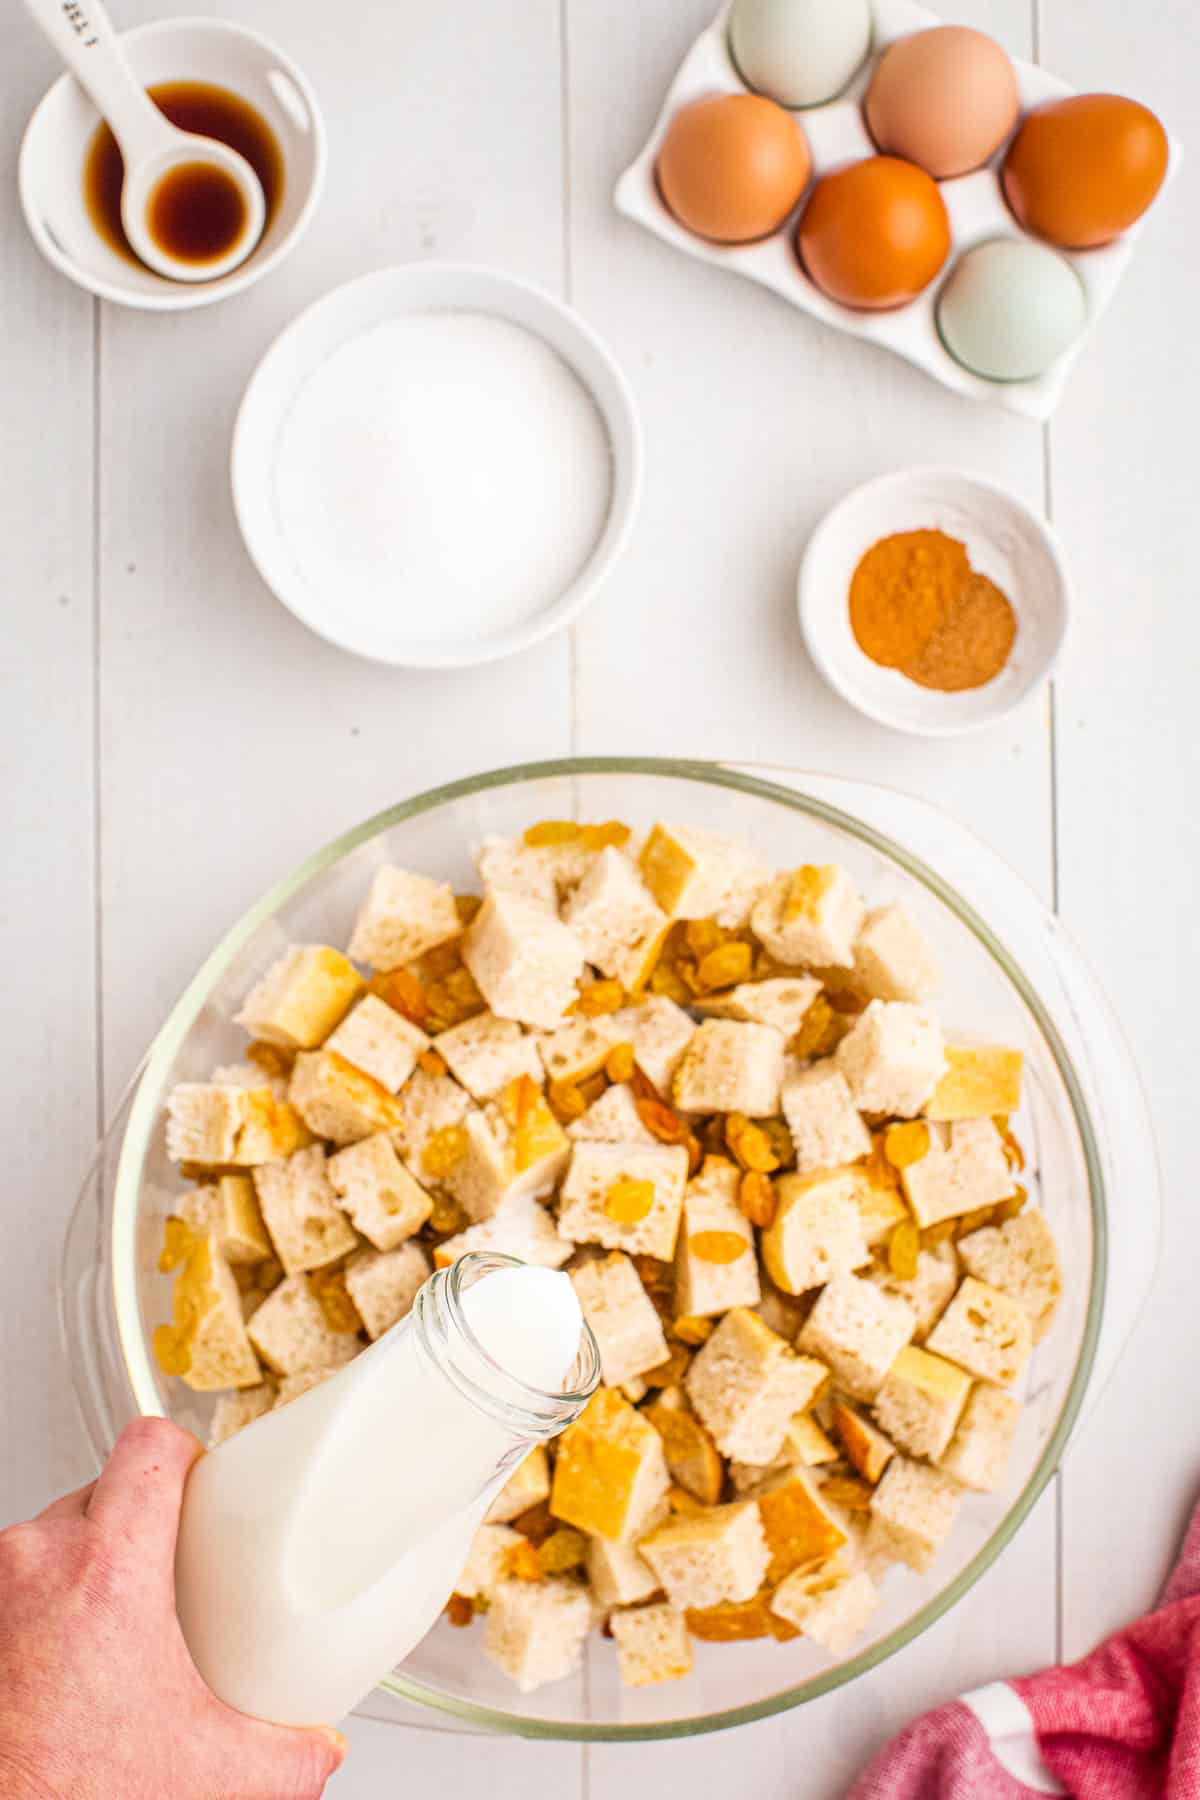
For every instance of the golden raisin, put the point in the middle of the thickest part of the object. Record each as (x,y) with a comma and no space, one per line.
(756,1197)
(695,1153)
(845,1491)
(702,935)
(551,832)
(536,1522)
(966,1223)
(685,1504)
(522,1562)
(1013,1153)
(563,1550)
(611,835)
(403,993)
(444,1150)
(466,906)
(459,1610)
(939,1233)
(692,1330)
(447,1218)
(628,1201)
(717,1246)
(750,1144)
(906,1144)
(566,1101)
(670,1373)
(820,1030)
(666,981)
(780,1140)
(725,966)
(1008,1209)
(598,998)
(880,1172)
(272,1059)
(619,1063)
(655,1276)
(431,1062)
(904,1249)
(328,1288)
(592,1086)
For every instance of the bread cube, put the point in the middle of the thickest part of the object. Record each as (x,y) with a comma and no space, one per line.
(746,1384)
(227,1209)
(527,1486)
(805,1443)
(610,1475)
(384,1283)
(612,1119)
(780,1002)
(226,1126)
(372,1185)
(964,1168)
(487,1563)
(816,1232)
(614,915)
(579,1048)
(660,1032)
(534,1630)
(618,1574)
(692,1460)
(892,1057)
(379,1041)
(234,1411)
(338,1101)
(982,1443)
(731,1067)
(880,1206)
(402,916)
(606,1183)
(921,1401)
(301,1212)
(810,917)
(514,1147)
(799,1526)
(1020,1258)
(541,874)
(695,874)
(486,1053)
(711,1274)
(913,1510)
(526,964)
(892,960)
(830,1606)
(866,1446)
(302,998)
(719,1553)
(859,1331)
(207,1344)
(627,1329)
(980,1081)
(521,1228)
(930,1290)
(984,1332)
(251,1075)
(428,1104)
(738,1621)
(291,1333)
(653,1644)
(292,1387)
(826,1126)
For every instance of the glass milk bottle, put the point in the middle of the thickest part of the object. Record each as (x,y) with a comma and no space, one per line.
(319,1545)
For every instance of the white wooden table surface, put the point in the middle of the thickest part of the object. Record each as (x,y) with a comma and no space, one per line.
(173,740)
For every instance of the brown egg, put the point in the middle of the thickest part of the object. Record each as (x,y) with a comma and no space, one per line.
(946,99)
(732,167)
(1081,170)
(874,233)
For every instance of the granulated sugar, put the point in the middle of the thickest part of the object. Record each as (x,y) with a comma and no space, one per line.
(446,469)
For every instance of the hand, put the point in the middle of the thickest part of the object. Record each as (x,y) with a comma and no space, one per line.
(99,1699)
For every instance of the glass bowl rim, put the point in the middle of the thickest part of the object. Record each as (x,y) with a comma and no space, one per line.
(143,1117)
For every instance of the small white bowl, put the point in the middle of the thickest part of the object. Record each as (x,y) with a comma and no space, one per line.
(55,146)
(310,340)
(1004,541)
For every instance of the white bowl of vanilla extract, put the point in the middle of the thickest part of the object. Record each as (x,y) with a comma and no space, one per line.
(223,81)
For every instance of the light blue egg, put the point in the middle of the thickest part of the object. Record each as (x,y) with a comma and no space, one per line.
(799,52)
(1009,309)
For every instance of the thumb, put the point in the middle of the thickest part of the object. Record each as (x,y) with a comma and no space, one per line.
(288,1762)
(139,1491)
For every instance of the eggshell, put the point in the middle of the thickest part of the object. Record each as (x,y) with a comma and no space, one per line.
(1009,308)
(1081,170)
(800,52)
(874,233)
(732,167)
(945,98)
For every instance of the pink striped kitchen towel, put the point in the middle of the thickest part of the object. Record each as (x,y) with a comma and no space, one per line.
(1123,1724)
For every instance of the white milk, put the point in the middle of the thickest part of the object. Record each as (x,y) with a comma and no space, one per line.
(319,1545)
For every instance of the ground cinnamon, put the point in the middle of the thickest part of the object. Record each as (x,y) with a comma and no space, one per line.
(916,605)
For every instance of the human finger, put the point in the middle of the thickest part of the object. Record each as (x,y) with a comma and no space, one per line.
(288,1760)
(139,1490)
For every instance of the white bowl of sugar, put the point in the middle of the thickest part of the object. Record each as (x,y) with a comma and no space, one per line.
(436,465)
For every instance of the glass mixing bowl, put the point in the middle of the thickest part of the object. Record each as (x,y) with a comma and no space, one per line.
(113,1294)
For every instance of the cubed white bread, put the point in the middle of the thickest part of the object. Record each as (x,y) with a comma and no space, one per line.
(230,1125)
(302,997)
(618,1574)
(892,1057)
(985,1332)
(880,1205)
(781,1002)
(506,1154)
(627,1329)
(610,1471)
(746,1384)
(543,874)
(703,1558)
(613,914)
(858,1331)
(486,1053)
(521,1228)
(817,1230)
(826,1126)
(596,1169)
(892,959)
(980,1081)
(291,1333)
(380,1041)
(402,916)
(653,1644)
(208,1323)
(913,1510)
(527,1486)
(706,1285)
(1020,1258)
(227,1209)
(963,1169)
(248,1075)
(579,1048)
(378,1193)
(921,1402)
(982,1443)
(299,1207)
(930,1290)
(731,1067)
(660,1032)
(810,917)
(487,1563)
(384,1283)
(612,1119)
(831,1606)
(804,1446)
(427,1104)
(697,874)
(866,1446)
(292,1387)
(526,964)
(339,1101)
(234,1411)
(535,1629)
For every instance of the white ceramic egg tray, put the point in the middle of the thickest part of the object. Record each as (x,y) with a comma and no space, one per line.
(837,134)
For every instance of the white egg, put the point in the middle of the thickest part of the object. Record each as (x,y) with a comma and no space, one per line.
(1010,308)
(799,52)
